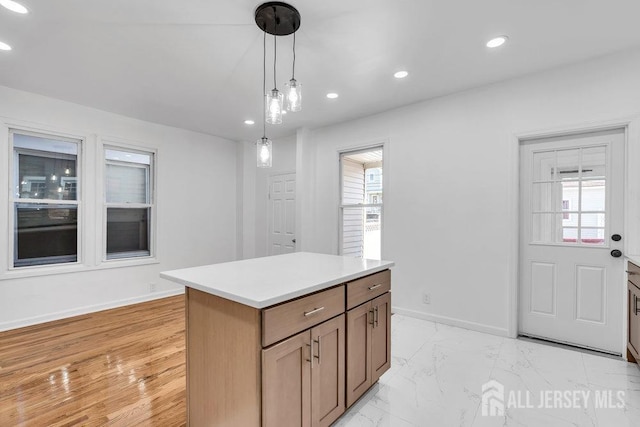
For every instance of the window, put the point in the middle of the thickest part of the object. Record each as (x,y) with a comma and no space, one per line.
(44,204)
(129,203)
(569,196)
(361,203)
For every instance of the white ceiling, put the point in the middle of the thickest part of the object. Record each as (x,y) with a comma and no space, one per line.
(197,64)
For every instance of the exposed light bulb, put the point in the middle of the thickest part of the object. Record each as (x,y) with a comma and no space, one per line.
(67,171)
(274,107)
(59,189)
(294,95)
(264,152)
(54,177)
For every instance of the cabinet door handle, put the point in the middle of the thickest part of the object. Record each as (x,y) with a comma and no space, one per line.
(310,359)
(635,308)
(631,273)
(314,311)
(372,316)
(371,288)
(376,317)
(319,349)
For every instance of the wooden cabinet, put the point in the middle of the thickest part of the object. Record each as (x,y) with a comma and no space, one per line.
(303,378)
(298,363)
(368,345)
(633,308)
(633,301)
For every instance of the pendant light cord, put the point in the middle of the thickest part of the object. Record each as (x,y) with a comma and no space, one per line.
(264,85)
(275,59)
(293,72)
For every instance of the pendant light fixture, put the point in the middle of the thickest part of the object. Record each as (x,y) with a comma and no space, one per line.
(278,19)
(263,146)
(293,88)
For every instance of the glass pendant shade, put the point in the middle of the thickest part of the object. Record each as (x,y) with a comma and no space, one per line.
(275,100)
(263,152)
(294,95)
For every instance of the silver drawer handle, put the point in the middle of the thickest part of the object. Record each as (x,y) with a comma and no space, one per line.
(375,286)
(314,311)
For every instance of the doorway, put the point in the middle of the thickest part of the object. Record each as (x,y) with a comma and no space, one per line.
(281,216)
(571,225)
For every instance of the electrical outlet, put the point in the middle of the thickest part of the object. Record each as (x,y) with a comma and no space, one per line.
(152,287)
(426,298)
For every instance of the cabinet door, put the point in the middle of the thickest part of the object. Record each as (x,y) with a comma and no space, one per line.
(381,336)
(358,351)
(286,386)
(634,317)
(327,372)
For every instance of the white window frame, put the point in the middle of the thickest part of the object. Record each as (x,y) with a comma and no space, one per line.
(133,257)
(341,207)
(13,177)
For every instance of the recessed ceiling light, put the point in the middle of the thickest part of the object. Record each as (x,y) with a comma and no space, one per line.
(14,6)
(497,41)
(249,122)
(332,95)
(401,74)
(4,46)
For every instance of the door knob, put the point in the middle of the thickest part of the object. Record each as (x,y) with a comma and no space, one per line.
(293,240)
(616,237)
(616,253)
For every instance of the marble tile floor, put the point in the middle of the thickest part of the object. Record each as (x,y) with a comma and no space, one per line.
(438,371)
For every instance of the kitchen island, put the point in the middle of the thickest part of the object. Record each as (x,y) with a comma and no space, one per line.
(288,340)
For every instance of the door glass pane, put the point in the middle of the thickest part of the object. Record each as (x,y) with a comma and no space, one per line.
(543,198)
(592,236)
(592,220)
(544,164)
(593,195)
(594,161)
(45,234)
(546,228)
(570,234)
(568,164)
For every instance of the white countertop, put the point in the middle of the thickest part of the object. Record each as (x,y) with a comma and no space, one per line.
(262,282)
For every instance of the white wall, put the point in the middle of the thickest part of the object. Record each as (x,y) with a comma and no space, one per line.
(196,211)
(449,173)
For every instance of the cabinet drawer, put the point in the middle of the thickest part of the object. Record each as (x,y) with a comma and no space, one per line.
(367,288)
(286,319)
(633,273)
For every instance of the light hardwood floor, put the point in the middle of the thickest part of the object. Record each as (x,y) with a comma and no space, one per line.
(120,367)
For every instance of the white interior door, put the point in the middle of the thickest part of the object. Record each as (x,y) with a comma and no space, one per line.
(571,204)
(282,214)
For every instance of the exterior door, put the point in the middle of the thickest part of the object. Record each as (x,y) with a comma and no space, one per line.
(571,205)
(282,214)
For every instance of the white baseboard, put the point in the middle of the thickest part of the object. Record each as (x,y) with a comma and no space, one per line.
(474,326)
(15,324)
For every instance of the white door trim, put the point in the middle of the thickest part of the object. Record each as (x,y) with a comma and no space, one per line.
(631,231)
